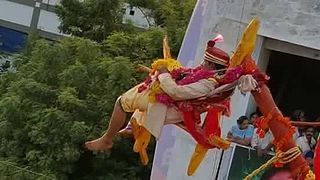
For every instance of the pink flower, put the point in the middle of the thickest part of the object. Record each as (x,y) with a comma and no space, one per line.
(231,75)
(164,99)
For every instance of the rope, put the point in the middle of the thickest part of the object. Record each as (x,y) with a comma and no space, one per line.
(281,157)
(25,169)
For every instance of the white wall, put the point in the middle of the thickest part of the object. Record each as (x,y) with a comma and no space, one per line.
(51,2)
(293,21)
(49,21)
(138,19)
(181,154)
(16,13)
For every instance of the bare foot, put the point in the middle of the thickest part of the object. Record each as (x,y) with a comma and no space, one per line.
(99,144)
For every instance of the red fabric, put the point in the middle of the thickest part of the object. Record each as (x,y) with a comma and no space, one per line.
(194,129)
(215,54)
(211,52)
(211,126)
(191,111)
(222,100)
(317,161)
(219,54)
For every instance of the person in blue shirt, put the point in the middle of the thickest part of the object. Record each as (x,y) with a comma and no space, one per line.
(242,132)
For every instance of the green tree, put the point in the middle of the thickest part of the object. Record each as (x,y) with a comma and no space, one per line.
(4,61)
(141,47)
(94,19)
(97,19)
(172,15)
(60,95)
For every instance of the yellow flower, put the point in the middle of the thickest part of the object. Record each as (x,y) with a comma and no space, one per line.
(154,89)
(171,64)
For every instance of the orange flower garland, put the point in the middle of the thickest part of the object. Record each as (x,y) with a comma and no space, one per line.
(284,140)
(262,124)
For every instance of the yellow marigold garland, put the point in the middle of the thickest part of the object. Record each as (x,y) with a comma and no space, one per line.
(170,64)
(310,176)
(154,89)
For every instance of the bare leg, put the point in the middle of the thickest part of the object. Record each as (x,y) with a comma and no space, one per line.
(117,120)
(127,131)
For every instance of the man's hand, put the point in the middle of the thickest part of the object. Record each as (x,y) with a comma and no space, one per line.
(143,68)
(247,83)
(162,69)
(232,138)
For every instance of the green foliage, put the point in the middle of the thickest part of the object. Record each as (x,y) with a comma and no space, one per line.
(172,15)
(139,47)
(5,63)
(97,19)
(94,19)
(61,94)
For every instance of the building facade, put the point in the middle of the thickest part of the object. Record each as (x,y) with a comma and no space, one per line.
(137,16)
(19,17)
(287,49)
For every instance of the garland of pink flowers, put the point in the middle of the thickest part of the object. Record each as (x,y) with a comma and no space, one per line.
(182,76)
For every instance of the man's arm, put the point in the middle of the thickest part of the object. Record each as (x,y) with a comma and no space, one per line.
(229,135)
(245,141)
(184,92)
(223,88)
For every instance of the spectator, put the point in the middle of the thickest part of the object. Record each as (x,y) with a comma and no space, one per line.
(253,117)
(306,142)
(262,145)
(298,115)
(242,132)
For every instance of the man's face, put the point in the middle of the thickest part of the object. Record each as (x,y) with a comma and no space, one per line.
(208,65)
(309,133)
(254,118)
(244,124)
(213,66)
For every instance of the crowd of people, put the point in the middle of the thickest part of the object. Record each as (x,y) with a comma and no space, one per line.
(245,133)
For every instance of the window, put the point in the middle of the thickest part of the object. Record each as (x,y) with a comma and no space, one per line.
(131,12)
